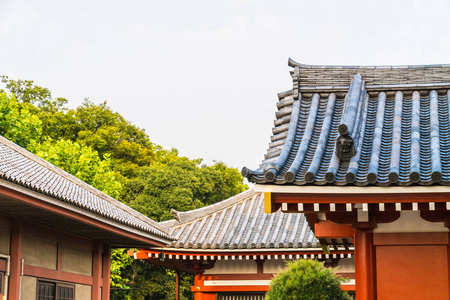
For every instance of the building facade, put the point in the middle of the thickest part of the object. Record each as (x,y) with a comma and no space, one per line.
(234,248)
(367,149)
(56,232)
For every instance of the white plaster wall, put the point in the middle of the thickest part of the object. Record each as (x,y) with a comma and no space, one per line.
(77,261)
(273,265)
(233,267)
(82,292)
(28,288)
(39,252)
(346,265)
(410,221)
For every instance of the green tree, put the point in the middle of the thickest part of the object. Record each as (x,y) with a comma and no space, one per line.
(82,162)
(18,123)
(306,280)
(105,131)
(180,183)
(139,280)
(25,90)
(102,148)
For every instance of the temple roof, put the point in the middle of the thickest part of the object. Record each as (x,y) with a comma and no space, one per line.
(240,223)
(25,169)
(360,125)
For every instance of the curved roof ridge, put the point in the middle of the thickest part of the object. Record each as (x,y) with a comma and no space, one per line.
(183,217)
(293,63)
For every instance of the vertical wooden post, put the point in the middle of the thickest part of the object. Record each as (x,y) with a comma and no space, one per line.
(16,260)
(96,271)
(106,271)
(365,265)
(177,285)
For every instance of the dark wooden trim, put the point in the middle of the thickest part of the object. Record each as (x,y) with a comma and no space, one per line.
(71,214)
(177,285)
(16,259)
(260,266)
(106,270)
(58,256)
(250,276)
(359,198)
(49,274)
(56,284)
(413,238)
(96,272)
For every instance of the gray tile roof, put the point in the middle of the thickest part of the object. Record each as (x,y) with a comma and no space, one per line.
(240,223)
(355,125)
(26,169)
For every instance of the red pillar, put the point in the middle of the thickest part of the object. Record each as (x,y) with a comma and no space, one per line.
(365,265)
(96,272)
(198,283)
(106,271)
(177,285)
(16,260)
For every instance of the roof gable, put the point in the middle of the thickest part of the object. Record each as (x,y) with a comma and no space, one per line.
(240,223)
(21,167)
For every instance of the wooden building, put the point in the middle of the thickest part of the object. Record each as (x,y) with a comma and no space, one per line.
(234,249)
(368,148)
(56,231)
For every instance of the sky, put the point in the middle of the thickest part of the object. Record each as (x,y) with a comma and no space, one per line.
(203,76)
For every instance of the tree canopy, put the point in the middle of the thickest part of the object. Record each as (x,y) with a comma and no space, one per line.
(102,148)
(306,280)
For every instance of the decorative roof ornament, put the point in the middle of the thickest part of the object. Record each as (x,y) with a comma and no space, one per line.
(345,147)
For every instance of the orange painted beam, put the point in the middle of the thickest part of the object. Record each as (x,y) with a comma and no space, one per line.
(348,287)
(143,253)
(328,229)
(239,288)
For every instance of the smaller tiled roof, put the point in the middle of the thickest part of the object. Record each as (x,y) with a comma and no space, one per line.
(21,167)
(240,223)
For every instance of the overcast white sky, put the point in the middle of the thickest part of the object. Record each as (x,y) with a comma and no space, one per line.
(202,76)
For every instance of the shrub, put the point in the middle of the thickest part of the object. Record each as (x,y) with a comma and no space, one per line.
(306,280)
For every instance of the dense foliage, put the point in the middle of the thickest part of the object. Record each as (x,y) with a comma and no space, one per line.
(105,150)
(306,280)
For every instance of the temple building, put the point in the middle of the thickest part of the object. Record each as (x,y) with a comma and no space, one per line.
(234,248)
(56,231)
(364,153)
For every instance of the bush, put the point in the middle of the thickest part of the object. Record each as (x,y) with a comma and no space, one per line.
(306,280)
